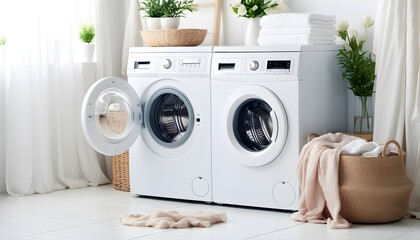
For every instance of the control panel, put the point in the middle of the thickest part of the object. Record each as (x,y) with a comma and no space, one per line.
(189,63)
(244,66)
(255,66)
(169,64)
(181,64)
(174,64)
(275,66)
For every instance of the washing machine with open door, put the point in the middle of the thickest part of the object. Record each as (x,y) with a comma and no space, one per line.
(162,115)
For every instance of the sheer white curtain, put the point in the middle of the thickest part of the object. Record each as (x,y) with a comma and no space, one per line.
(132,30)
(397,108)
(42,85)
(2,118)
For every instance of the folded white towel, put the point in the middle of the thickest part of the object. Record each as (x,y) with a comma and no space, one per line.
(297,20)
(274,40)
(298,30)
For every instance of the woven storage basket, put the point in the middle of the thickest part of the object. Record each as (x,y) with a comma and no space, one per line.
(120,168)
(374,189)
(121,172)
(174,37)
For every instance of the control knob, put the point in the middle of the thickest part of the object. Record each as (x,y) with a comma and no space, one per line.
(253,65)
(166,63)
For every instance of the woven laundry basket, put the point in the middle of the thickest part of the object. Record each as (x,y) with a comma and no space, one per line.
(120,164)
(121,172)
(374,189)
(174,37)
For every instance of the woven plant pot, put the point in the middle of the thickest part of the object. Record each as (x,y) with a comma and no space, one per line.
(374,189)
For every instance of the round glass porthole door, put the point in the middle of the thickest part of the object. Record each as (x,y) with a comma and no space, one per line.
(114,115)
(170,117)
(256,124)
(111,116)
(253,125)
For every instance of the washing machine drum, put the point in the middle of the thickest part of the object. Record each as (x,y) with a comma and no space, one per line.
(254,125)
(171,118)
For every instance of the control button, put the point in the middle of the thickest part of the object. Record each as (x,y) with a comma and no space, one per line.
(253,65)
(166,63)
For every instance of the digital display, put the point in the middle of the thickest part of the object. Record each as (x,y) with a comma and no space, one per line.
(141,64)
(225,66)
(278,64)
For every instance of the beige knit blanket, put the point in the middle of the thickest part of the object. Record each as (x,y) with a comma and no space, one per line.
(318,179)
(174,219)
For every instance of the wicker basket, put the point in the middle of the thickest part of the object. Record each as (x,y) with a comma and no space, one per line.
(374,189)
(117,121)
(174,37)
(120,169)
(121,172)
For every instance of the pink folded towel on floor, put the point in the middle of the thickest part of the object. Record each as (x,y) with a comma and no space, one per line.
(318,179)
(174,219)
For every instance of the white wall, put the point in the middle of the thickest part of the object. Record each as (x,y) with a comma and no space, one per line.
(349,10)
(233,28)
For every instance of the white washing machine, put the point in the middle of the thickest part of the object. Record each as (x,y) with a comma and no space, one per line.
(163,115)
(265,101)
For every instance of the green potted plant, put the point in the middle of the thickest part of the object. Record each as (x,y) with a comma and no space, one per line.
(152,12)
(86,35)
(358,67)
(173,10)
(165,14)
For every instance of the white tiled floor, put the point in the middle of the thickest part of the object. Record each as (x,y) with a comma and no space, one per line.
(94,213)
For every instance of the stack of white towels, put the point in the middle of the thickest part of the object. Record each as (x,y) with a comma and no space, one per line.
(297,28)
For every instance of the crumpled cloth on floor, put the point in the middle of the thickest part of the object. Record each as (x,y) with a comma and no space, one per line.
(174,219)
(318,178)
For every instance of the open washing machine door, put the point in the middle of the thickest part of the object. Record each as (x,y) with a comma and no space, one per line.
(111,116)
